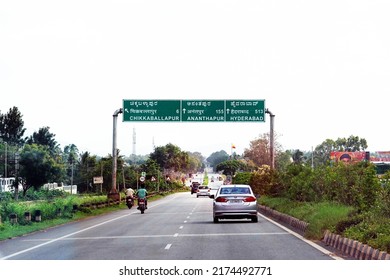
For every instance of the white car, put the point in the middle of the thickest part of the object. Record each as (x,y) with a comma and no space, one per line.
(235,202)
(203,191)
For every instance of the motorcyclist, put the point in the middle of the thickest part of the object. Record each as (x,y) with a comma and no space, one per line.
(142,193)
(129,193)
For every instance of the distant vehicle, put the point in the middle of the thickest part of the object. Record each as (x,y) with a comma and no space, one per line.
(235,202)
(194,187)
(381,168)
(203,191)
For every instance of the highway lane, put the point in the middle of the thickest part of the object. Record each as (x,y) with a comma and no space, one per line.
(178,227)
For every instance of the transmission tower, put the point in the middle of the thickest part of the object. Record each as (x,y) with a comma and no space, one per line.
(134,142)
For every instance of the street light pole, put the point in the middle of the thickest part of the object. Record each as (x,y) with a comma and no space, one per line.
(114,192)
(271,136)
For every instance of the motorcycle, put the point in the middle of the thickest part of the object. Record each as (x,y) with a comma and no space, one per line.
(129,202)
(141,205)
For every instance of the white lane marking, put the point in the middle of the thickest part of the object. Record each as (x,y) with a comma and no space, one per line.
(165,236)
(323,250)
(185,221)
(63,237)
(181,227)
(168,246)
(188,217)
(103,237)
(233,234)
(79,231)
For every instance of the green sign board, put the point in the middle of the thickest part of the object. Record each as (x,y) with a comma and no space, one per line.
(203,110)
(245,111)
(194,110)
(151,110)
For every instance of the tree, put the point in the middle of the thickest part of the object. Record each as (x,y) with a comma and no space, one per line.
(259,150)
(152,170)
(170,158)
(103,168)
(351,144)
(195,162)
(86,169)
(229,167)
(44,138)
(298,157)
(322,152)
(217,157)
(283,160)
(71,159)
(71,153)
(11,127)
(38,167)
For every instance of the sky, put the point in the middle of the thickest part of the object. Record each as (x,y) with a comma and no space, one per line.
(322,67)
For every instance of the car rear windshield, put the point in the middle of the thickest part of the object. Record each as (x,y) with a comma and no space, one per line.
(234,190)
(203,187)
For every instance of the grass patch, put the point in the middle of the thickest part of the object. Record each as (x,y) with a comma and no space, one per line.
(8,230)
(320,216)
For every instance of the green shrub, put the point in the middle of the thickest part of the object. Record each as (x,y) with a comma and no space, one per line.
(265,181)
(43,194)
(342,225)
(242,178)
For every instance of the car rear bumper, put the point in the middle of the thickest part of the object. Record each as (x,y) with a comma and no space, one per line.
(234,214)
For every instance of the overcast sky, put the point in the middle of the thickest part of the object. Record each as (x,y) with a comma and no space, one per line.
(322,67)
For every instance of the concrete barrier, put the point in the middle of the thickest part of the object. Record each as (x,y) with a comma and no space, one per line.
(347,246)
(13,218)
(27,216)
(354,248)
(293,222)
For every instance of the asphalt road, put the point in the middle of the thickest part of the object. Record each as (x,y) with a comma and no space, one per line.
(178,227)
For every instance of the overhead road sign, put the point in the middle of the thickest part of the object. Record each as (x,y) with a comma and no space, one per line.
(203,111)
(239,110)
(151,110)
(245,111)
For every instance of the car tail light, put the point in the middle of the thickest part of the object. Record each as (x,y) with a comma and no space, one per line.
(221,199)
(250,199)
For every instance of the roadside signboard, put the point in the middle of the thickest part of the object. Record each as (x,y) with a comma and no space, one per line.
(98,180)
(239,110)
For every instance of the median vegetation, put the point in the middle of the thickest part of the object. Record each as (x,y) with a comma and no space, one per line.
(347,199)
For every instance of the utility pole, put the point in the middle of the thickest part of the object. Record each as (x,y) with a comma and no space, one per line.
(312,158)
(71,181)
(271,138)
(5,160)
(16,183)
(114,194)
(101,175)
